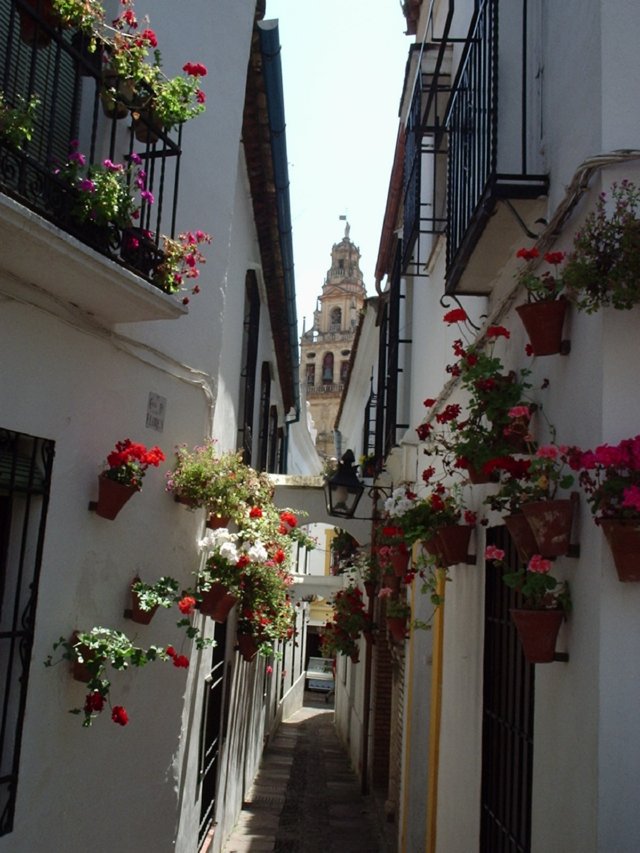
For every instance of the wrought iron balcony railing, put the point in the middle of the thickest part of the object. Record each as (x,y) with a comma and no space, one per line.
(80,110)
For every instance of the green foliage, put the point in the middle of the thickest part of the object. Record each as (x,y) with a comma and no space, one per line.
(16,122)
(604,266)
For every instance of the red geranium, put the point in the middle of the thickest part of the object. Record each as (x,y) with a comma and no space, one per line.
(119,715)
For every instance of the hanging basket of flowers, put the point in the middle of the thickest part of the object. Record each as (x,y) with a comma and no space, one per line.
(126,467)
(610,477)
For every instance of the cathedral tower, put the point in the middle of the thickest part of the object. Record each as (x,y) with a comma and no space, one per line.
(326,347)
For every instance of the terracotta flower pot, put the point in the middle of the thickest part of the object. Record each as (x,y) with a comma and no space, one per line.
(247,646)
(391,582)
(543,322)
(370,588)
(477,477)
(217,602)
(623,537)
(112,496)
(538,632)
(215,522)
(400,563)
(32,32)
(397,626)
(432,547)
(137,614)
(522,535)
(453,543)
(550,523)
(80,671)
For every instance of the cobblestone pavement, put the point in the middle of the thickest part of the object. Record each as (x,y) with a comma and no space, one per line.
(306,798)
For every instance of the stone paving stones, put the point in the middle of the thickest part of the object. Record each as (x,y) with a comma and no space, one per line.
(306,798)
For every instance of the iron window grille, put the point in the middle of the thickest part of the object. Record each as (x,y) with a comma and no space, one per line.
(25,479)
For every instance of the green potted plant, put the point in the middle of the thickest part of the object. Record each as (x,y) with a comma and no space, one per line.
(17,122)
(603,267)
(219,481)
(106,195)
(172,102)
(92,653)
(610,477)
(546,602)
(544,312)
(398,612)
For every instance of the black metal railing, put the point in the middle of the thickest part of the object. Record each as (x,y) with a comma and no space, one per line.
(472,126)
(80,109)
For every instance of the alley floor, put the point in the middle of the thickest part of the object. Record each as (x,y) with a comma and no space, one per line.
(306,798)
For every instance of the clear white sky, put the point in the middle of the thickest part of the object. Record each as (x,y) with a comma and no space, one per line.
(343,65)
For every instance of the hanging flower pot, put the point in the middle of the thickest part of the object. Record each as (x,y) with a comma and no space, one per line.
(247,646)
(623,537)
(137,614)
(550,523)
(453,543)
(32,31)
(146,127)
(370,588)
(543,322)
(391,582)
(477,477)
(354,657)
(79,669)
(116,93)
(112,496)
(397,626)
(522,535)
(400,562)
(538,632)
(432,546)
(215,522)
(217,602)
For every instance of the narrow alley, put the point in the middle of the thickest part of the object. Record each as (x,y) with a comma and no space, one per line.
(306,798)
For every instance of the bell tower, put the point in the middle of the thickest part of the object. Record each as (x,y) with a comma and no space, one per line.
(325,349)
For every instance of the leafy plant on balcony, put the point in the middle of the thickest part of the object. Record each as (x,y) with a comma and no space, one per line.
(16,122)
(85,15)
(179,99)
(106,194)
(180,262)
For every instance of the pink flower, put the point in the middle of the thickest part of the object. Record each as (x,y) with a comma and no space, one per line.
(631,498)
(493,553)
(519,412)
(548,451)
(385,592)
(539,565)
(269,669)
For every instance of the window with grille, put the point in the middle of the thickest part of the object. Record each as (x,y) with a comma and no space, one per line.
(25,478)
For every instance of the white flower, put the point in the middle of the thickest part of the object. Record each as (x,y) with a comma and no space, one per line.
(255,551)
(228,552)
(215,539)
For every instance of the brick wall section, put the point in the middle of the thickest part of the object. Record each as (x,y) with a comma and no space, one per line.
(381,713)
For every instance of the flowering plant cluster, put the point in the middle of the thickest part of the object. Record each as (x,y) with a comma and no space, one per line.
(179,99)
(128,462)
(545,287)
(603,267)
(85,15)
(180,261)
(496,420)
(424,516)
(350,620)
(218,481)
(610,477)
(128,47)
(343,551)
(95,651)
(397,607)
(540,590)
(535,478)
(110,193)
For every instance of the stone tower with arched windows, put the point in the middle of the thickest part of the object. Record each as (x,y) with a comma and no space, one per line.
(326,347)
